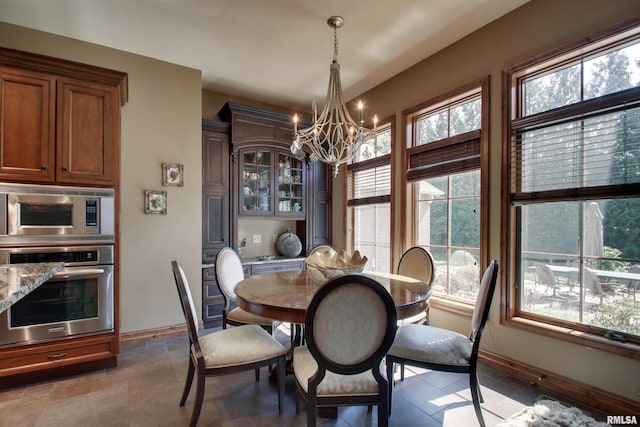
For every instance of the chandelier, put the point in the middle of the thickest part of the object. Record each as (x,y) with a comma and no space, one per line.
(334,137)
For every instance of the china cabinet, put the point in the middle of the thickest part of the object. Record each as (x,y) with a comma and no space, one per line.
(250,174)
(273,183)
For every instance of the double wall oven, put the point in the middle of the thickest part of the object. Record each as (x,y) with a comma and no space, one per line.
(72,225)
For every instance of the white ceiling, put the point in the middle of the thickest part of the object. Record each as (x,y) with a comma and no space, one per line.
(274,51)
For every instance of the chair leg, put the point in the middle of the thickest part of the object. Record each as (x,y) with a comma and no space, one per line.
(257,374)
(197,405)
(312,410)
(282,372)
(384,410)
(402,372)
(390,368)
(475,396)
(187,383)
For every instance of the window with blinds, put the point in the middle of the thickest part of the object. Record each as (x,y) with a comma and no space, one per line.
(574,172)
(444,169)
(369,201)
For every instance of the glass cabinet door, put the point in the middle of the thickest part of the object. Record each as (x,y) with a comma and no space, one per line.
(256,182)
(290,196)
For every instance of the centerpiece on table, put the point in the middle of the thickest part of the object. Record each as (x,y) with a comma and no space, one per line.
(333,263)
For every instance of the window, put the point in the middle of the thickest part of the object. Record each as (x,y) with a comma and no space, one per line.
(446,188)
(574,181)
(369,200)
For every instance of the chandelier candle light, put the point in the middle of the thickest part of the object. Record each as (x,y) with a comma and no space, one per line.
(334,137)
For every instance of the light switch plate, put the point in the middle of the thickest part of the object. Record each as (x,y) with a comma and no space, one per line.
(257,238)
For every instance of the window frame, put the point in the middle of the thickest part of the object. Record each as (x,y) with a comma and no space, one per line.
(349,217)
(510,222)
(408,201)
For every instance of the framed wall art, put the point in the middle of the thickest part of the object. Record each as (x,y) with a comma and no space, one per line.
(172,175)
(155,202)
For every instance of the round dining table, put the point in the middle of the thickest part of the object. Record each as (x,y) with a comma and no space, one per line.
(285,295)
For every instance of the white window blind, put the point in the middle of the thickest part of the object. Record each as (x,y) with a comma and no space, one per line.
(591,145)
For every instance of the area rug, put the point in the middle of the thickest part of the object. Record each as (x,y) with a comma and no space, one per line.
(550,413)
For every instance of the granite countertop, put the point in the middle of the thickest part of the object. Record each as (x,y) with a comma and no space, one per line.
(18,280)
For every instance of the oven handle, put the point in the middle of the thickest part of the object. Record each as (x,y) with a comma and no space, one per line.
(65,273)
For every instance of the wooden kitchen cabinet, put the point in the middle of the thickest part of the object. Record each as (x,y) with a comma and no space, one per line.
(27,130)
(60,124)
(26,364)
(215,214)
(60,121)
(88,133)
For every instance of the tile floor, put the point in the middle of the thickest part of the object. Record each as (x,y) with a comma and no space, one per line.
(145,388)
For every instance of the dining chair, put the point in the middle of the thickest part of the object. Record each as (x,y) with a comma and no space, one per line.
(226,351)
(417,263)
(350,324)
(440,349)
(228,273)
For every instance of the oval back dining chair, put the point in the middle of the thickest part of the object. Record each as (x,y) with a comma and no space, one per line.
(350,325)
(226,351)
(440,349)
(228,273)
(417,263)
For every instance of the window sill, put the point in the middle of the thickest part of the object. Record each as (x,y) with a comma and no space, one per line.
(586,339)
(450,305)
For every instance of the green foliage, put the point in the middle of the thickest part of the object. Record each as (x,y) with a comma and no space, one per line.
(611,264)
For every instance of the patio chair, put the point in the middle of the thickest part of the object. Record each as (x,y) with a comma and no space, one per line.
(546,277)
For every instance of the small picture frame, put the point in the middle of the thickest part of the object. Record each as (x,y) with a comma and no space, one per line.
(172,175)
(155,202)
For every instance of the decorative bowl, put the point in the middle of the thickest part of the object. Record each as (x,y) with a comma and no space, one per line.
(332,264)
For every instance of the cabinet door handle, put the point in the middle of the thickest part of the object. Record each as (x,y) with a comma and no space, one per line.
(65,169)
(43,167)
(56,356)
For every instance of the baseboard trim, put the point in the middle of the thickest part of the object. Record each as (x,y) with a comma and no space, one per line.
(580,392)
(155,333)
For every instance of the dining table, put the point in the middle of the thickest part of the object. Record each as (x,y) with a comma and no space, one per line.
(285,295)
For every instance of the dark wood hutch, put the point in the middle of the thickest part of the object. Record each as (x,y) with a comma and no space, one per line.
(249,173)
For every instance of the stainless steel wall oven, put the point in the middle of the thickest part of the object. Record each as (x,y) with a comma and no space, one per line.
(76,301)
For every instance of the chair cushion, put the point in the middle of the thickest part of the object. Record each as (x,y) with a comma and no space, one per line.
(241,316)
(432,345)
(239,345)
(305,366)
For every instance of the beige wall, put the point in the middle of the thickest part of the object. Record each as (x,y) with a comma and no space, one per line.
(531,30)
(160,123)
